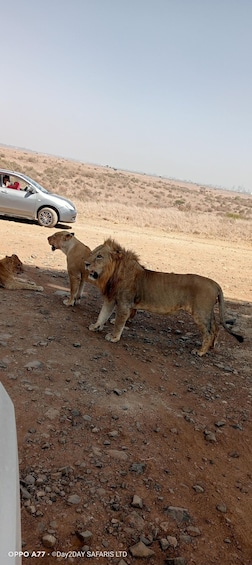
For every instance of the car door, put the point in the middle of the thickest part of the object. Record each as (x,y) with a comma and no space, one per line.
(18,202)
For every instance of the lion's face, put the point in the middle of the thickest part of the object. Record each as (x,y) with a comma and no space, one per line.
(13,264)
(100,263)
(60,240)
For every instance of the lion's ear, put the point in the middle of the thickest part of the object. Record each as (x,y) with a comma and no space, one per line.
(68,236)
(72,233)
(117,255)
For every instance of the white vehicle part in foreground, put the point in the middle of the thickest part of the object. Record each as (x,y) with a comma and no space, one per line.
(10,522)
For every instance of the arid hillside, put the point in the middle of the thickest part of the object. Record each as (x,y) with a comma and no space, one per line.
(138,199)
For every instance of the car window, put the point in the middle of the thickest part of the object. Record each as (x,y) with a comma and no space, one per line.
(22,184)
(35,183)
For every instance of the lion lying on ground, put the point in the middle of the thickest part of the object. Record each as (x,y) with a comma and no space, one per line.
(76,253)
(9,268)
(127,286)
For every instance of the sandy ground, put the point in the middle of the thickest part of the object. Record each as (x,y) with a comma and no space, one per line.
(108,421)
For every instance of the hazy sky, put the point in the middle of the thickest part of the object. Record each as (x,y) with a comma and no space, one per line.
(155,86)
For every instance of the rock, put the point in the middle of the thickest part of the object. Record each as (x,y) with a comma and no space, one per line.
(52,413)
(221,508)
(237,427)
(140,550)
(96,451)
(48,540)
(198,488)
(210,436)
(220,423)
(45,445)
(74,499)
(147,541)
(40,493)
(164,544)
(117,454)
(33,365)
(31,509)
(24,492)
(101,492)
(5,336)
(29,480)
(178,514)
(185,538)
(137,501)
(113,433)
(138,467)
(193,532)
(85,537)
(187,410)
(61,293)
(135,521)
(118,391)
(173,542)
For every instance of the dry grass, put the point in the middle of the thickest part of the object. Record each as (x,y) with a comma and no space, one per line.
(137,199)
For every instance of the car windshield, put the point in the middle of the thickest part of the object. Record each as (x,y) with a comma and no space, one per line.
(34,183)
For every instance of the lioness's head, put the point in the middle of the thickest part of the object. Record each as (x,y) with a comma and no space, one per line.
(60,240)
(102,261)
(14,264)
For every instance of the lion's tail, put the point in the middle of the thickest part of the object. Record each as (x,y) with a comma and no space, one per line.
(222,316)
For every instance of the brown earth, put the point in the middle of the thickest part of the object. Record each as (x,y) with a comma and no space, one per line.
(109,421)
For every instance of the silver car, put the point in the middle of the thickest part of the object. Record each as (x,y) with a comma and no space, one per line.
(22,197)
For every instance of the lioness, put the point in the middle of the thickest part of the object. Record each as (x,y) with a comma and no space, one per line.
(76,253)
(11,266)
(128,286)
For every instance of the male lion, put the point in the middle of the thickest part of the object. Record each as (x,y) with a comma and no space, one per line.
(76,253)
(128,286)
(11,266)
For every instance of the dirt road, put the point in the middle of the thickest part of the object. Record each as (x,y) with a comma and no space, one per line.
(113,437)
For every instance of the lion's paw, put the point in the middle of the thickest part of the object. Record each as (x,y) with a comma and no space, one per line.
(68,302)
(95,328)
(197,352)
(110,337)
(40,288)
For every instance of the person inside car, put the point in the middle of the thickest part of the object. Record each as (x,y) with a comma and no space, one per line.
(15,185)
(6,181)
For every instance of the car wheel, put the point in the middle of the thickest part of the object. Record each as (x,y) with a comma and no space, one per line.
(47,217)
